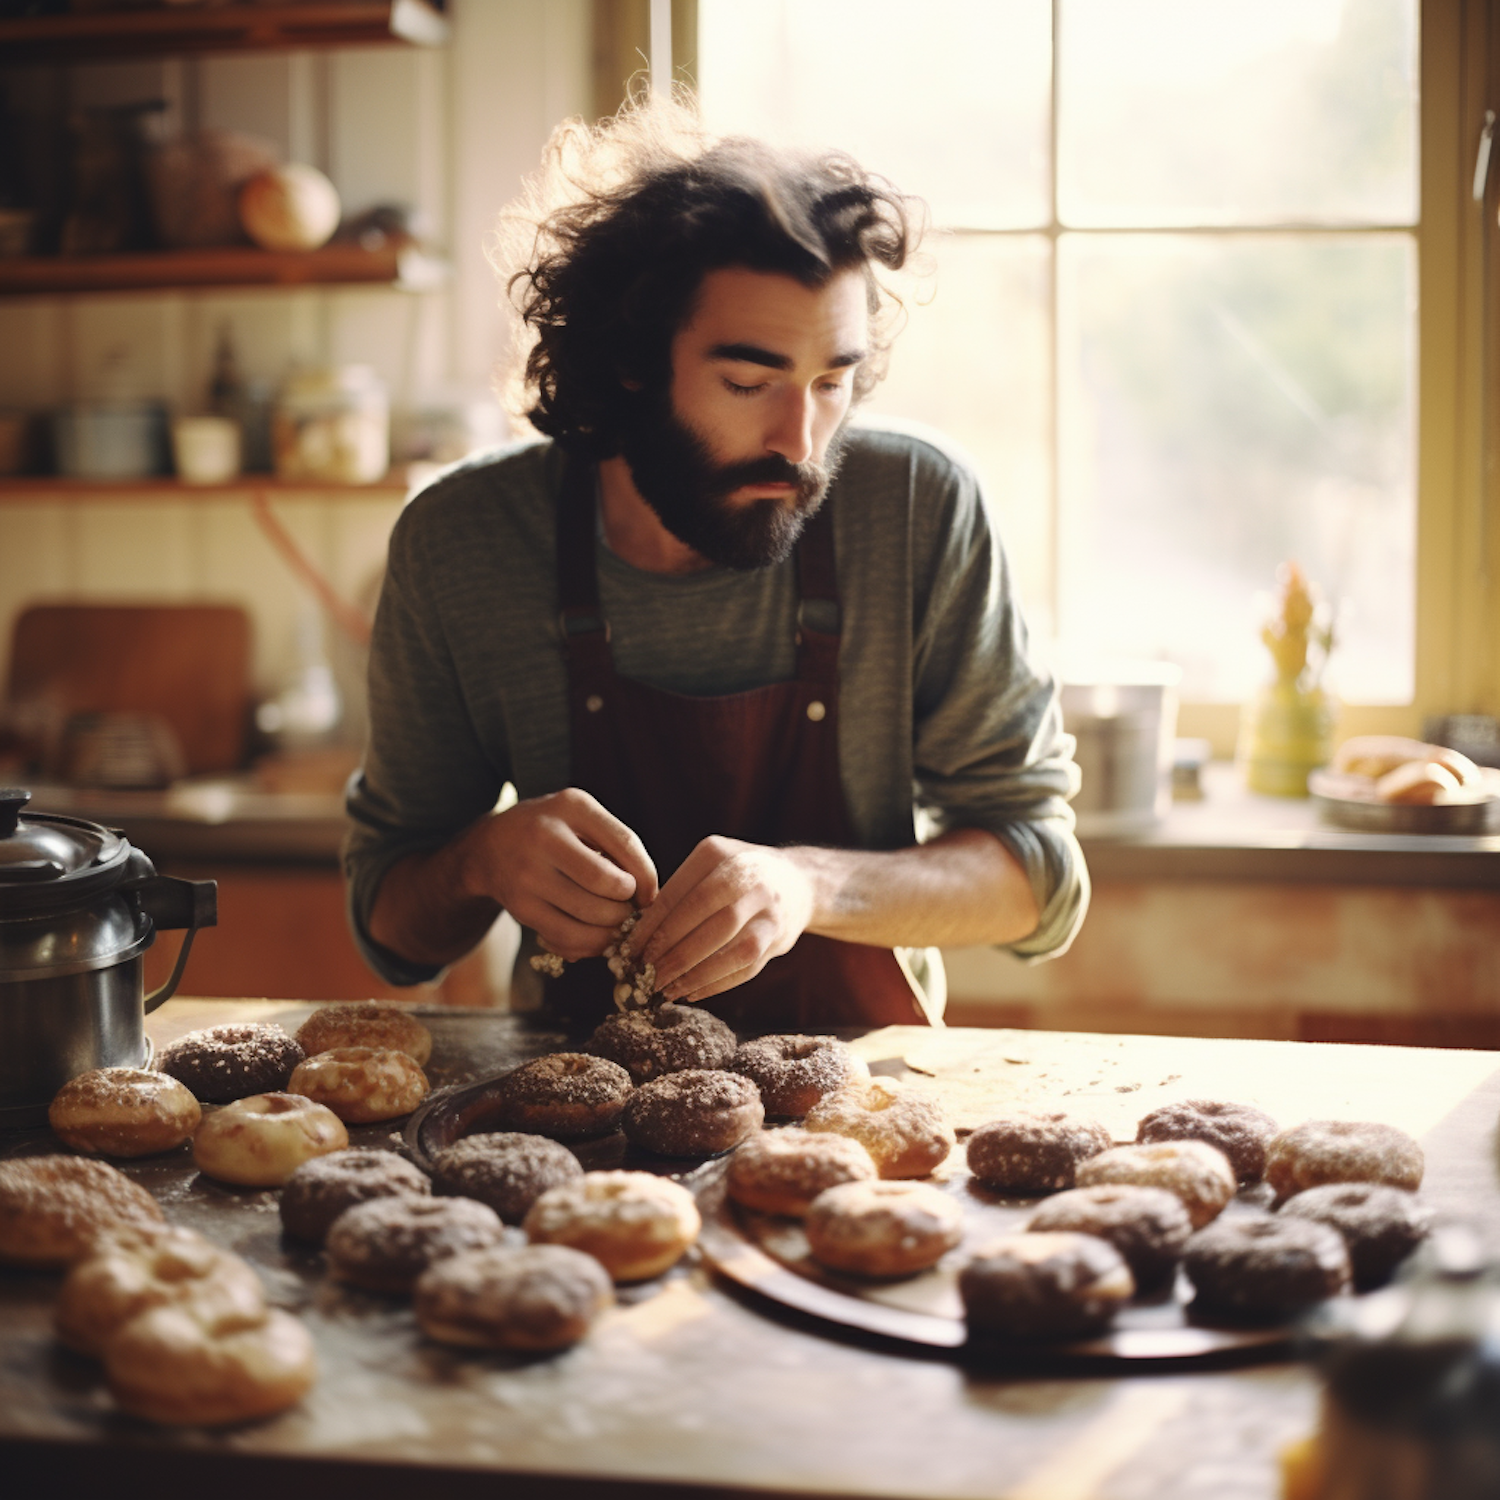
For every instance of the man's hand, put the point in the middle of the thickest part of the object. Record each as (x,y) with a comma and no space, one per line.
(729,908)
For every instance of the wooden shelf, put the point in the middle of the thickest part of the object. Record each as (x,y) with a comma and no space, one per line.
(173,29)
(52,487)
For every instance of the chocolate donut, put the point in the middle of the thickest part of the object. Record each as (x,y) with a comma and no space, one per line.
(506,1169)
(1381,1225)
(223,1063)
(1033,1151)
(1044,1286)
(1322,1151)
(696,1112)
(385,1244)
(663,1039)
(1264,1267)
(1148,1226)
(793,1073)
(322,1188)
(567,1095)
(1241,1132)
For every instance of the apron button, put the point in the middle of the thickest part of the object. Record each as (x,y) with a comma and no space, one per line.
(817,711)
(594,703)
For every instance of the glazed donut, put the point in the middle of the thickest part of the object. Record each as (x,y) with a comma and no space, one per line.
(223,1063)
(782,1171)
(567,1095)
(123,1112)
(260,1141)
(1198,1173)
(1147,1225)
(324,1186)
(1241,1132)
(361,1084)
(507,1169)
(663,1039)
(51,1207)
(1034,1151)
(381,1024)
(537,1297)
(385,1244)
(1044,1286)
(1380,1225)
(793,1073)
(695,1112)
(635,1224)
(1262,1266)
(1342,1151)
(179,1365)
(904,1131)
(131,1269)
(882,1228)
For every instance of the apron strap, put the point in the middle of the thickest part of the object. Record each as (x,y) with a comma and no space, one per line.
(584,630)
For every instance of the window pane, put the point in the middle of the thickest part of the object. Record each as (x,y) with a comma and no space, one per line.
(1175,112)
(949,98)
(1228,403)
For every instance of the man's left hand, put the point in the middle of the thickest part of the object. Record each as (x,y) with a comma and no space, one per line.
(728,909)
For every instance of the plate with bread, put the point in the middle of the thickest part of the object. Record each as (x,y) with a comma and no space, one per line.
(1382,783)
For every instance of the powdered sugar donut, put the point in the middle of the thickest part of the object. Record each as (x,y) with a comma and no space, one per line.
(904,1131)
(635,1224)
(123,1112)
(793,1073)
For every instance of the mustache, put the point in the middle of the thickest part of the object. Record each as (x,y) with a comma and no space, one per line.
(771,469)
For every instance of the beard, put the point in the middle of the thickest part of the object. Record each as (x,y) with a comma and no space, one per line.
(679,478)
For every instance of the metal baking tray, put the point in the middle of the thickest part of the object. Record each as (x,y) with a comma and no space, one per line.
(1349,802)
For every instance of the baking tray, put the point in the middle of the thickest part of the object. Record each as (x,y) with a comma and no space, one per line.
(1350,802)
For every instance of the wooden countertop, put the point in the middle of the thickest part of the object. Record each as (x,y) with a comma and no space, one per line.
(692,1387)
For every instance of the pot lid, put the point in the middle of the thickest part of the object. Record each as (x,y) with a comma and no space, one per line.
(54,857)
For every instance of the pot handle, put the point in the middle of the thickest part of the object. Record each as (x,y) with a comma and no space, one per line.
(171,903)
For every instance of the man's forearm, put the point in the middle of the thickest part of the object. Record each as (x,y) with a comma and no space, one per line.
(424,913)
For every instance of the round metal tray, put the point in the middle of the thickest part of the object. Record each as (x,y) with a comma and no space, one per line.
(1349,802)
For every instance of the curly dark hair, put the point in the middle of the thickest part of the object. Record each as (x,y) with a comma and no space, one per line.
(624,221)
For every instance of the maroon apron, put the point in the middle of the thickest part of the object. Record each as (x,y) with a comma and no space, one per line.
(761,766)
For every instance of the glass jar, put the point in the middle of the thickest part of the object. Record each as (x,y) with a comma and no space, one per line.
(332,426)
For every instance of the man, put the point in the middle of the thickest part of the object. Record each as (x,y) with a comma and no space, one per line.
(727,648)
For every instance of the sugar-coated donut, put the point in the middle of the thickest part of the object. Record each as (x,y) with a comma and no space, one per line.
(1198,1173)
(361,1084)
(135,1267)
(1147,1225)
(793,1073)
(52,1207)
(1265,1266)
(567,1095)
(260,1141)
(382,1024)
(1381,1225)
(536,1297)
(1034,1151)
(123,1112)
(176,1365)
(782,1171)
(509,1170)
(663,1039)
(635,1224)
(883,1228)
(1322,1151)
(385,1244)
(694,1112)
(1044,1286)
(222,1063)
(1240,1131)
(904,1130)
(324,1186)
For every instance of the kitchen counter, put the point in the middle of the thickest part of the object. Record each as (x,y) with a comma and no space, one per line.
(693,1387)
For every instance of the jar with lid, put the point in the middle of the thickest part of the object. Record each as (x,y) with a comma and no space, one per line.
(332,426)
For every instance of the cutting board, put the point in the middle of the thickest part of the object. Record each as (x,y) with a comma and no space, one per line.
(187,663)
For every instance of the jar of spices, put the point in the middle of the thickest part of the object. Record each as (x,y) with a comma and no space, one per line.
(332,426)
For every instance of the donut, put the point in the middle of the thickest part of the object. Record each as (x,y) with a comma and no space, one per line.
(904,1130)
(1264,1266)
(696,1112)
(365,1023)
(1342,1151)
(567,1095)
(123,1112)
(361,1084)
(1034,1151)
(383,1245)
(178,1365)
(782,1171)
(1198,1173)
(324,1186)
(635,1224)
(260,1141)
(794,1072)
(223,1063)
(1147,1225)
(1380,1225)
(663,1039)
(51,1207)
(535,1298)
(882,1228)
(1239,1131)
(136,1267)
(506,1169)
(1044,1286)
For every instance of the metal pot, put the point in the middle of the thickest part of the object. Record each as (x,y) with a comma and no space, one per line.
(78,909)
